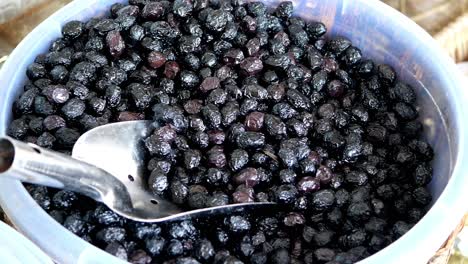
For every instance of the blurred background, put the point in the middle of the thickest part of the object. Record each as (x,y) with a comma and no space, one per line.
(445,20)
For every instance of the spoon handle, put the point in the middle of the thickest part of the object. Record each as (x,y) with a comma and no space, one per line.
(32,164)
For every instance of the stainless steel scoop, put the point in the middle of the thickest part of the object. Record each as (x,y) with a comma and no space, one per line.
(107,164)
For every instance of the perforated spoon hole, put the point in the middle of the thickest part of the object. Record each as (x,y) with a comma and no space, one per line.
(153,201)
(37,150)
(130,177)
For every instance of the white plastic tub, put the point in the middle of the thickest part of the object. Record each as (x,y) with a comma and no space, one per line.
(381,32)
(16,249)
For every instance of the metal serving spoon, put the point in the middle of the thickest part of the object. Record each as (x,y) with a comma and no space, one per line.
(107,164)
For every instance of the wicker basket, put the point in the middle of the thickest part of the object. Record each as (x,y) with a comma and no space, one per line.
(11,8)
(433,15)
(454,38)
(446,20)
(444,254)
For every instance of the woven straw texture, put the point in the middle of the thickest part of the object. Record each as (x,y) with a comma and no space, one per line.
(446,20)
